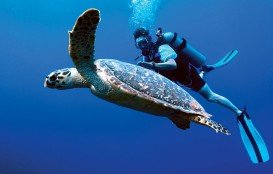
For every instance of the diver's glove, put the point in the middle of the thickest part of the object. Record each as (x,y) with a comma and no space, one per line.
(207,68)
(147,65)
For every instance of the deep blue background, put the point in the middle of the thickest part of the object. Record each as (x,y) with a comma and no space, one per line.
(48,131)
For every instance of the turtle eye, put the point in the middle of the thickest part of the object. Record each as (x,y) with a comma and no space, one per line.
(53,77)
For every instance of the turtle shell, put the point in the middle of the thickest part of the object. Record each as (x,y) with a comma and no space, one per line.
(146,84)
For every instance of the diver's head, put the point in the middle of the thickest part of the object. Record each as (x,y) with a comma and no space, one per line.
(65,79)
(143,40)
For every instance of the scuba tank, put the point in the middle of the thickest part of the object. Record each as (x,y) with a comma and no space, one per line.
(181,47)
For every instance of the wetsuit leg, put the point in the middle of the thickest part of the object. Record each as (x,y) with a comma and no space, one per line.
(207,93)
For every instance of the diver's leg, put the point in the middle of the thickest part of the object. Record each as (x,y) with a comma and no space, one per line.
(207,93)
(251,138)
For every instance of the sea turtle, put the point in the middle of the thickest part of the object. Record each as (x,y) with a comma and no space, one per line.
(125,84)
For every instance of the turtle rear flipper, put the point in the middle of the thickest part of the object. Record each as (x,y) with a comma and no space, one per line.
(180,122)
(210,123)
(183,123)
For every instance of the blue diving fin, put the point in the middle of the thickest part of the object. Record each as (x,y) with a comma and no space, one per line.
(226,59)
(252,140)
(222,62)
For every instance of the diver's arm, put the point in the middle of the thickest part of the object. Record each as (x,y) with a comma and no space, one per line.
(169,65)
(167,56)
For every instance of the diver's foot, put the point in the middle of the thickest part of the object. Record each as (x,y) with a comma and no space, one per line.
(207,68)
(242,113)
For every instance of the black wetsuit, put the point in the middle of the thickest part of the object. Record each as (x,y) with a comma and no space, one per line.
(185,73)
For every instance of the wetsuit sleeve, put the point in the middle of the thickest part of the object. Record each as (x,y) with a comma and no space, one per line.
(166,53)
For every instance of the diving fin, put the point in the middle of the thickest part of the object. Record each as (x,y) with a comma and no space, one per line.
(252,140)
(222,62)
(226,59)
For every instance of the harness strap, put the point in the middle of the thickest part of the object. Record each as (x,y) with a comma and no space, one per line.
(182,45)
(173,39)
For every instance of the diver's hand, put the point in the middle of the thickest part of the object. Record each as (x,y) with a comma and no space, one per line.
(207,68)
(147,65)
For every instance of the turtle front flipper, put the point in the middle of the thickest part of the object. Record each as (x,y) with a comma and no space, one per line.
(82,37)
(81,49)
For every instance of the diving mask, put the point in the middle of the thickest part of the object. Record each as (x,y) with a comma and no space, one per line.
(142,43)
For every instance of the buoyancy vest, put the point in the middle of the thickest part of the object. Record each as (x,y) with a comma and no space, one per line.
(182,62)
(182,48)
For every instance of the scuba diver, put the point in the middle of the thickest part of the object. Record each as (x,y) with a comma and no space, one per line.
(172,57)
(175,59)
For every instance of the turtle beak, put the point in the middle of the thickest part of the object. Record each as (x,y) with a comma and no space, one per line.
(47,84)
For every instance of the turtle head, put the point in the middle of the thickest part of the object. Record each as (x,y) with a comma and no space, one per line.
(67,78)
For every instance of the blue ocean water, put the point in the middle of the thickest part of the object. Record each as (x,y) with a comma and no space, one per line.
(143,13)
(46,131)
